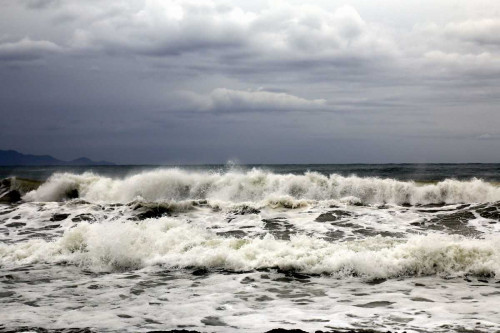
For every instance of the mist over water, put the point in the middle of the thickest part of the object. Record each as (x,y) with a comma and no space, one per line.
(238,247)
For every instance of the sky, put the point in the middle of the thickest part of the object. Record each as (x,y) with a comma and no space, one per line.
(169,82)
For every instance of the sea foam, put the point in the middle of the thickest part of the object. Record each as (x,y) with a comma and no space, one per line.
(174,244)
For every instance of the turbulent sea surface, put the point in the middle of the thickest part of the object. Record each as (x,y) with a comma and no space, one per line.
(412,248)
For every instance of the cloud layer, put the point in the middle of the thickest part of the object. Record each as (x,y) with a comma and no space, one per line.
(370,82)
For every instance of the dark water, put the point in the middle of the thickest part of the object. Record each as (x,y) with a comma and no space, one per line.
(417,172)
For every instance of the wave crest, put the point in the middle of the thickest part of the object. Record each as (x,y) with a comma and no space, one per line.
(259,186)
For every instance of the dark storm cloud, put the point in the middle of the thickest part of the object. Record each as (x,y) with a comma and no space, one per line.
(179,81)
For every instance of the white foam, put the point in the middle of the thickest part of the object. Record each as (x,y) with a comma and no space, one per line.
(176,244)
(260,186)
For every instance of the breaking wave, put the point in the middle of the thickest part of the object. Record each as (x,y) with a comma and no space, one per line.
(176,244)
(259,186)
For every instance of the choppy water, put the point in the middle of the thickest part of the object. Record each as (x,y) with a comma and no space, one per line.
(219,248)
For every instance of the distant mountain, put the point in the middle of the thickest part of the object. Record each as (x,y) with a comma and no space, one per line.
(12,157)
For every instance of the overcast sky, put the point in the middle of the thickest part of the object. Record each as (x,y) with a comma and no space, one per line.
(164,81)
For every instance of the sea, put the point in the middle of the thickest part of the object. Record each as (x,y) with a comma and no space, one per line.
(251,248)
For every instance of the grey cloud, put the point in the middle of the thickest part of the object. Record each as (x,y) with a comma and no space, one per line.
(41,4)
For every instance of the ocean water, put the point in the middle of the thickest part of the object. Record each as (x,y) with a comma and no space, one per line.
(221,248)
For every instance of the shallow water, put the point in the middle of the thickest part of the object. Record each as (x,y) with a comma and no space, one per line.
(251,250)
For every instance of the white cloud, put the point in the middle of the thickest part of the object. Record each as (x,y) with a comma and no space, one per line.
(307,30)
(488,136)
(484,63)
(228,100)
(485,31)
(27,49)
